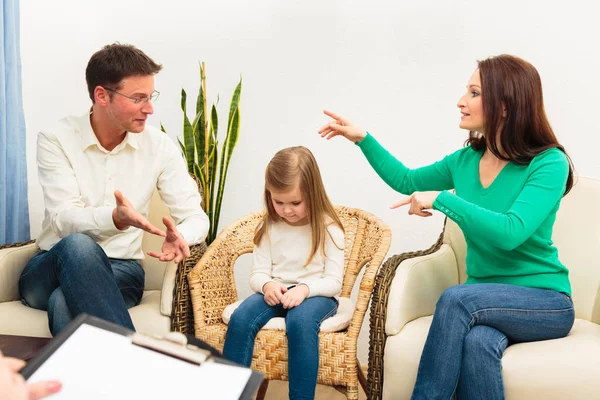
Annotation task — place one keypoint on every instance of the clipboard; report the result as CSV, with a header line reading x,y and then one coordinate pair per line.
x,y
98,359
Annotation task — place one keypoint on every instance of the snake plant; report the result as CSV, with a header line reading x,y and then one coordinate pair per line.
x,y
200,148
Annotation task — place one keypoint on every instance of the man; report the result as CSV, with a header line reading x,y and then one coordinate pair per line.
x,y
98,172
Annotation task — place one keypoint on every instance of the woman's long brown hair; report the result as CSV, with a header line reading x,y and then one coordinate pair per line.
x,y
297,166
513,86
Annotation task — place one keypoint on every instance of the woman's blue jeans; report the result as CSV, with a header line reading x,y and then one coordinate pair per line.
x,y
302,325
75,276
472,326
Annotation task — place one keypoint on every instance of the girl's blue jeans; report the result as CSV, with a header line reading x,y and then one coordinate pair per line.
x,y
302,329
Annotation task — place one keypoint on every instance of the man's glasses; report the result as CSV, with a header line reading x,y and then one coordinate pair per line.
x,y
137,100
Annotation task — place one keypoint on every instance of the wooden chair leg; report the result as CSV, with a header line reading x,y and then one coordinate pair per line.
x,y
352,392
262,390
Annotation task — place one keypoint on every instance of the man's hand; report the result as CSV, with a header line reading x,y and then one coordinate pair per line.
x,y
174,247
124,216
419,202
295,296
273,293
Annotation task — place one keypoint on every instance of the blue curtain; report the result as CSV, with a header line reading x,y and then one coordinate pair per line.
x,y
14,212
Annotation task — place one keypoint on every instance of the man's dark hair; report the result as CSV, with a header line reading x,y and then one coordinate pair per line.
x,y
109,66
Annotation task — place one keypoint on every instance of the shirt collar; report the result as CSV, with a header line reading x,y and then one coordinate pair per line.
x,y
88,137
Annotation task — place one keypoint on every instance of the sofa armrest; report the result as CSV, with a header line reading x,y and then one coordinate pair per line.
x,y
417,285
166,294
13,260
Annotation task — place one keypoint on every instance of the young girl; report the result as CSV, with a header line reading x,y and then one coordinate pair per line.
x,y
297,268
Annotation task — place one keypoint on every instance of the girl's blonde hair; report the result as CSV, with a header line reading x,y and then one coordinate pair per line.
x,y
291,167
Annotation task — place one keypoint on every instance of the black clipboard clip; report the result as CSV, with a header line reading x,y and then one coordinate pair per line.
x,y
175,345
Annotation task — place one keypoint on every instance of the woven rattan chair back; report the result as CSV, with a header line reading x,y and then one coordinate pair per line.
x,y
212,288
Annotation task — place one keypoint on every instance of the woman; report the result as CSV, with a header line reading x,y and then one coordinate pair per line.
x,y
508,181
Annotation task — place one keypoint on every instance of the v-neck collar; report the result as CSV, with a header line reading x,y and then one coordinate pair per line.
x,y
477,174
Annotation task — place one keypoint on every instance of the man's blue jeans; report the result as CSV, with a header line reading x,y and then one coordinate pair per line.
x,y
472,326
75,276
302,325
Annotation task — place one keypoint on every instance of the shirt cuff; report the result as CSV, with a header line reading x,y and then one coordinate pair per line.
x,y
366,142
192,234
263,285
451,205
308,286
104,219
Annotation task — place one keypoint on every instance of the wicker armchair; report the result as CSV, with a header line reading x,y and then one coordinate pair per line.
x,y
182,317
212,288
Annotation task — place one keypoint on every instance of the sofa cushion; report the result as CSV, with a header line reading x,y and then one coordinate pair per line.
x,y
339,322
565,368
18,319
147,317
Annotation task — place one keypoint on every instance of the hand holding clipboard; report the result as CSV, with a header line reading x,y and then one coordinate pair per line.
x,y
95,359
14,387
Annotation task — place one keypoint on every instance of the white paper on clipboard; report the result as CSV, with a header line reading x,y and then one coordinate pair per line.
x,y
94,363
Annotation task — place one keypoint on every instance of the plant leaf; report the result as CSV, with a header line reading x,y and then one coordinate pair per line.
x,y
235,100
188,136
228,146
199,174
182,147
200,100
214,151
212,168
200,129
214,121
198,134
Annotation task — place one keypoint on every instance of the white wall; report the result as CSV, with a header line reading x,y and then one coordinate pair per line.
x,y
396,68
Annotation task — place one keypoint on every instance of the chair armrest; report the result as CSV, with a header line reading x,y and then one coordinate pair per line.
x,y
182,317
398,282
13,259
211,280
417,285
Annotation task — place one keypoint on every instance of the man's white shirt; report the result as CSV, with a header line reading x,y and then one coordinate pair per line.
x,y
79,177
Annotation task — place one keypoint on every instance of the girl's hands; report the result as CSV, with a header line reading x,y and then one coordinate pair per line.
x,y
295,296
341,127
419,203
273,293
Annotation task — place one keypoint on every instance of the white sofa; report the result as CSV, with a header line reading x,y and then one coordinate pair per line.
x,y
152,315
408,287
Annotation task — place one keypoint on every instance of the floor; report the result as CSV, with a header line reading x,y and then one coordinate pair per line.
x,y
279,390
